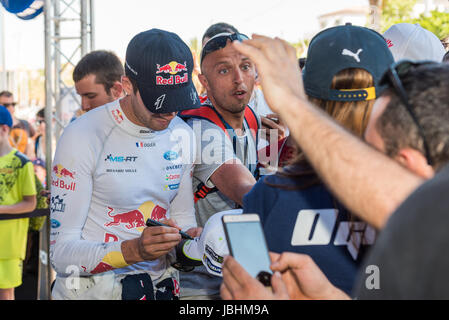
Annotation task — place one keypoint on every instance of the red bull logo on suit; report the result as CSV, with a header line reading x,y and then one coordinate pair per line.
x,y
135,219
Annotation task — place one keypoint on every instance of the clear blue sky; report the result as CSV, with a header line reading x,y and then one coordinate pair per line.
x,y
117,21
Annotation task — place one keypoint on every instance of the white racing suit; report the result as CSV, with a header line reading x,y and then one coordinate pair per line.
x,y
108,177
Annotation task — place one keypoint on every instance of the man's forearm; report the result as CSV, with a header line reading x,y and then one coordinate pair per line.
x,y
130,251
24,206
233,180
371,189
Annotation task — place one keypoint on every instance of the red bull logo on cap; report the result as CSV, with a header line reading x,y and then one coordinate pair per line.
x,y
172,68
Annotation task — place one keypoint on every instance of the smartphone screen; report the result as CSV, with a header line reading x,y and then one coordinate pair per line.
x,y
246,242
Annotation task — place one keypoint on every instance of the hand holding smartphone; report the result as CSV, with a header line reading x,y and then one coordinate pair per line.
x,y
247,244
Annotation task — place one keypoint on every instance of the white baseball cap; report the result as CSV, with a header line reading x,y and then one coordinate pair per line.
x,y
413,42
211,246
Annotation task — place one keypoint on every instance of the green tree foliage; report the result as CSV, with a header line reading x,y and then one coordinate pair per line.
x,y
301,47
396,11
437,22
400,11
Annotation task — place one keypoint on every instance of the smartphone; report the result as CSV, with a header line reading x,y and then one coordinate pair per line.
x,y
247,244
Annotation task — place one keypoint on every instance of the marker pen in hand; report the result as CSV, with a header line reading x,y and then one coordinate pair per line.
x,y
154,223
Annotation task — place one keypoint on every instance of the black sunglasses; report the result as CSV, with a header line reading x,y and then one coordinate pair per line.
x,y
220,42
12,104
392,78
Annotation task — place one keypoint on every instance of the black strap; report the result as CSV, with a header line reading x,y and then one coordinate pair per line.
x,y
202,191
35,213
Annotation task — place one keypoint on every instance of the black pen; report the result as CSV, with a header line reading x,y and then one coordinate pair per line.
x,y
154,223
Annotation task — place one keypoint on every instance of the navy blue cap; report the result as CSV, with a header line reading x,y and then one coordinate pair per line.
x,y
5,117
162,64
344,47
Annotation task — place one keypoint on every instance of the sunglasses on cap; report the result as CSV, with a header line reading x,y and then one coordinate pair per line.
x,y
392,79
10,104
219,41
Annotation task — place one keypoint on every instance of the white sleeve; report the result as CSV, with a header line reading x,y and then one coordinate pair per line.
x,y
182,208
71,194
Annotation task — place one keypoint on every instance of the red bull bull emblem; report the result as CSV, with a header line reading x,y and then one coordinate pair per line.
x,y
118,116
60,172
136,218
101,267
172,68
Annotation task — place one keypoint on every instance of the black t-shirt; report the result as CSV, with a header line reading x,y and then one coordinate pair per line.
x,y
410,258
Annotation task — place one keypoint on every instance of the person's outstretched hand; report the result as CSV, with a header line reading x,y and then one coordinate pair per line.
x,y
303,278
239,285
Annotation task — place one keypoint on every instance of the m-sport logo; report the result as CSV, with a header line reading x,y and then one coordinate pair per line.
x,y
111,158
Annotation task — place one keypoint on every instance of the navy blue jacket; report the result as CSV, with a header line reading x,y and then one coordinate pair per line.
x,y
306,221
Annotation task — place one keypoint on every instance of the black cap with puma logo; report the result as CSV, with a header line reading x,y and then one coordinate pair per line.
x,y
344,47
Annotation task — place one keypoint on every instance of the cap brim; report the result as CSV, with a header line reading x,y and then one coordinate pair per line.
x,y
192,249
167,99
211,246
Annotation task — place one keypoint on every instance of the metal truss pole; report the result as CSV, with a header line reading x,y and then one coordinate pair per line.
x,y
63,48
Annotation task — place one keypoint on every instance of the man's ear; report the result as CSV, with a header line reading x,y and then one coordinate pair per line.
x,y
126,85
414,161
5,129
117,90
203,81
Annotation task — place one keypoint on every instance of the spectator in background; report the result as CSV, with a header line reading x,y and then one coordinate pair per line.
x,y
343,80
227,167
21,131
446,57
40,171
445,42
17,195
213,30
39,138
217,28
257,101
413,42
97,79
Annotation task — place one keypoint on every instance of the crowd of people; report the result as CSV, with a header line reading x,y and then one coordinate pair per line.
x,y
342,156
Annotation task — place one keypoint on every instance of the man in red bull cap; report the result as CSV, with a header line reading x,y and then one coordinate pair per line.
x,y
119,165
